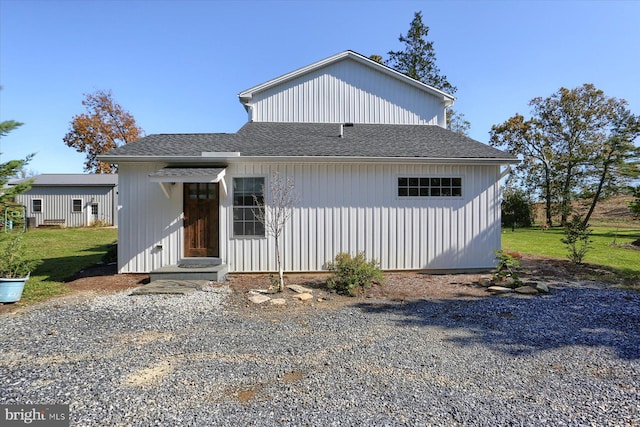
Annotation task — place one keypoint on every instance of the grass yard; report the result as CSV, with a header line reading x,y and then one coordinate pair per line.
x,y
63,252
608,246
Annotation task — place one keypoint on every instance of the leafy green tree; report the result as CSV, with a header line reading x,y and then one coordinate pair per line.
x,y
615,160
11,169
522,138
516,208
575,137
418,61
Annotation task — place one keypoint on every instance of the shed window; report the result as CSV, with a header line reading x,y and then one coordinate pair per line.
x,y
77,205
36,205
245,207
429,187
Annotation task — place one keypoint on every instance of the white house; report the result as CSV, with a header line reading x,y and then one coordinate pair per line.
x,y
71,200
372,162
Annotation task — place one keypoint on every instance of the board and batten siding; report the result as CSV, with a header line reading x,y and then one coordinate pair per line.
x,y
343,207
57,203
347,92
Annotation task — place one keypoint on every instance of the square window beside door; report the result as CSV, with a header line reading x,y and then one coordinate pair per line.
x,y
76,205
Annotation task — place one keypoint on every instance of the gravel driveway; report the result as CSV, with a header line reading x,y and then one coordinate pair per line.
x,y
568,358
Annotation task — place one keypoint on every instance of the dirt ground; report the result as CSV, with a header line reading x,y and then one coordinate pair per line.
x,y
399,286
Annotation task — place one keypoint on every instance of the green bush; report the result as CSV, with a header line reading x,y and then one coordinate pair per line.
x,y
508,269
15,261
516,209
352,275
577,239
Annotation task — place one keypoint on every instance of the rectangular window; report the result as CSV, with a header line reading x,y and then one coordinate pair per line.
x,y
429,187
77,205
36,205
245,206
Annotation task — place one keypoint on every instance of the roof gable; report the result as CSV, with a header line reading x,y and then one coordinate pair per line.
x,y
247,94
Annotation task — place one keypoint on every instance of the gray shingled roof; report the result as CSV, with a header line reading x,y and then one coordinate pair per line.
x,y
264,139
72,180
185,172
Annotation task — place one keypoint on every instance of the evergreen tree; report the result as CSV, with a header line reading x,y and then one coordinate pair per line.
x,y
11,169
418,61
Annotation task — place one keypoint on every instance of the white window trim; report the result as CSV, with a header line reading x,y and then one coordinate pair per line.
x,y
41,206
426,175
72,206
232,196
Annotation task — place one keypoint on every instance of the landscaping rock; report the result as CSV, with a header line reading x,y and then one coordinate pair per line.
x,y
300,289
499,290
262,291
259,299
304,297
543,288
278,301
485,281
526,290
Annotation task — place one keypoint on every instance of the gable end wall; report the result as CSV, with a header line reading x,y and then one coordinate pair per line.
x,y
347,92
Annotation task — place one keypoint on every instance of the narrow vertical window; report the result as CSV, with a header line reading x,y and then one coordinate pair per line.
x,y
245,206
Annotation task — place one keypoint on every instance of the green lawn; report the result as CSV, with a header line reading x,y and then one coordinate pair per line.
x,y
607,250
63,252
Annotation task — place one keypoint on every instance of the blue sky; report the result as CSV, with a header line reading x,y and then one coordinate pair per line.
x,y
178,66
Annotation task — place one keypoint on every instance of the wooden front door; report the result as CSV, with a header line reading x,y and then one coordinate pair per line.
x,y
201,209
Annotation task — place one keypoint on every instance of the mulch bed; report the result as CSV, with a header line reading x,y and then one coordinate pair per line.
x,y
399,286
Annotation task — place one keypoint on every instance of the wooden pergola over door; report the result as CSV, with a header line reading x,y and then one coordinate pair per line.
x,y
201,220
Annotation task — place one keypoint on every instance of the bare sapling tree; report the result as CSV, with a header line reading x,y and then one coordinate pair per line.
x,y
274,210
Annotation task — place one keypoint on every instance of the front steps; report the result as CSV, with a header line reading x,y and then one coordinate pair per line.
x,y
211,269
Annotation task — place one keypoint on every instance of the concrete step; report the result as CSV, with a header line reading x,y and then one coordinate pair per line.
x,y
191,271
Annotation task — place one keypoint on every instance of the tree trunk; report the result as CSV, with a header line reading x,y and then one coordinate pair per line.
x,y
565,204
547,178
596,197
279,266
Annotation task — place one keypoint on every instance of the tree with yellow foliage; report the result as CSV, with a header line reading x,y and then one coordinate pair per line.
x,y
104,126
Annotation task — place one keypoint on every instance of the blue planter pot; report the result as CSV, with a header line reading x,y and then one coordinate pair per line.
x,y
11,289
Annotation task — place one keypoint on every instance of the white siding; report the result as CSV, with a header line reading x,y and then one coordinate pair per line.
x,y
343,208
347,92
57,202
150,225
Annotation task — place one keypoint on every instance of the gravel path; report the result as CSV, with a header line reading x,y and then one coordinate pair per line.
x,y
568,358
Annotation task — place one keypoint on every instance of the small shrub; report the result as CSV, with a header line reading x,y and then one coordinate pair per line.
x,y
352,275
577,239
274,282
634,205
508,268
15,261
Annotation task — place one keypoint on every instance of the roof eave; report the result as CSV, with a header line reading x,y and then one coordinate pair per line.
x,y
307,159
